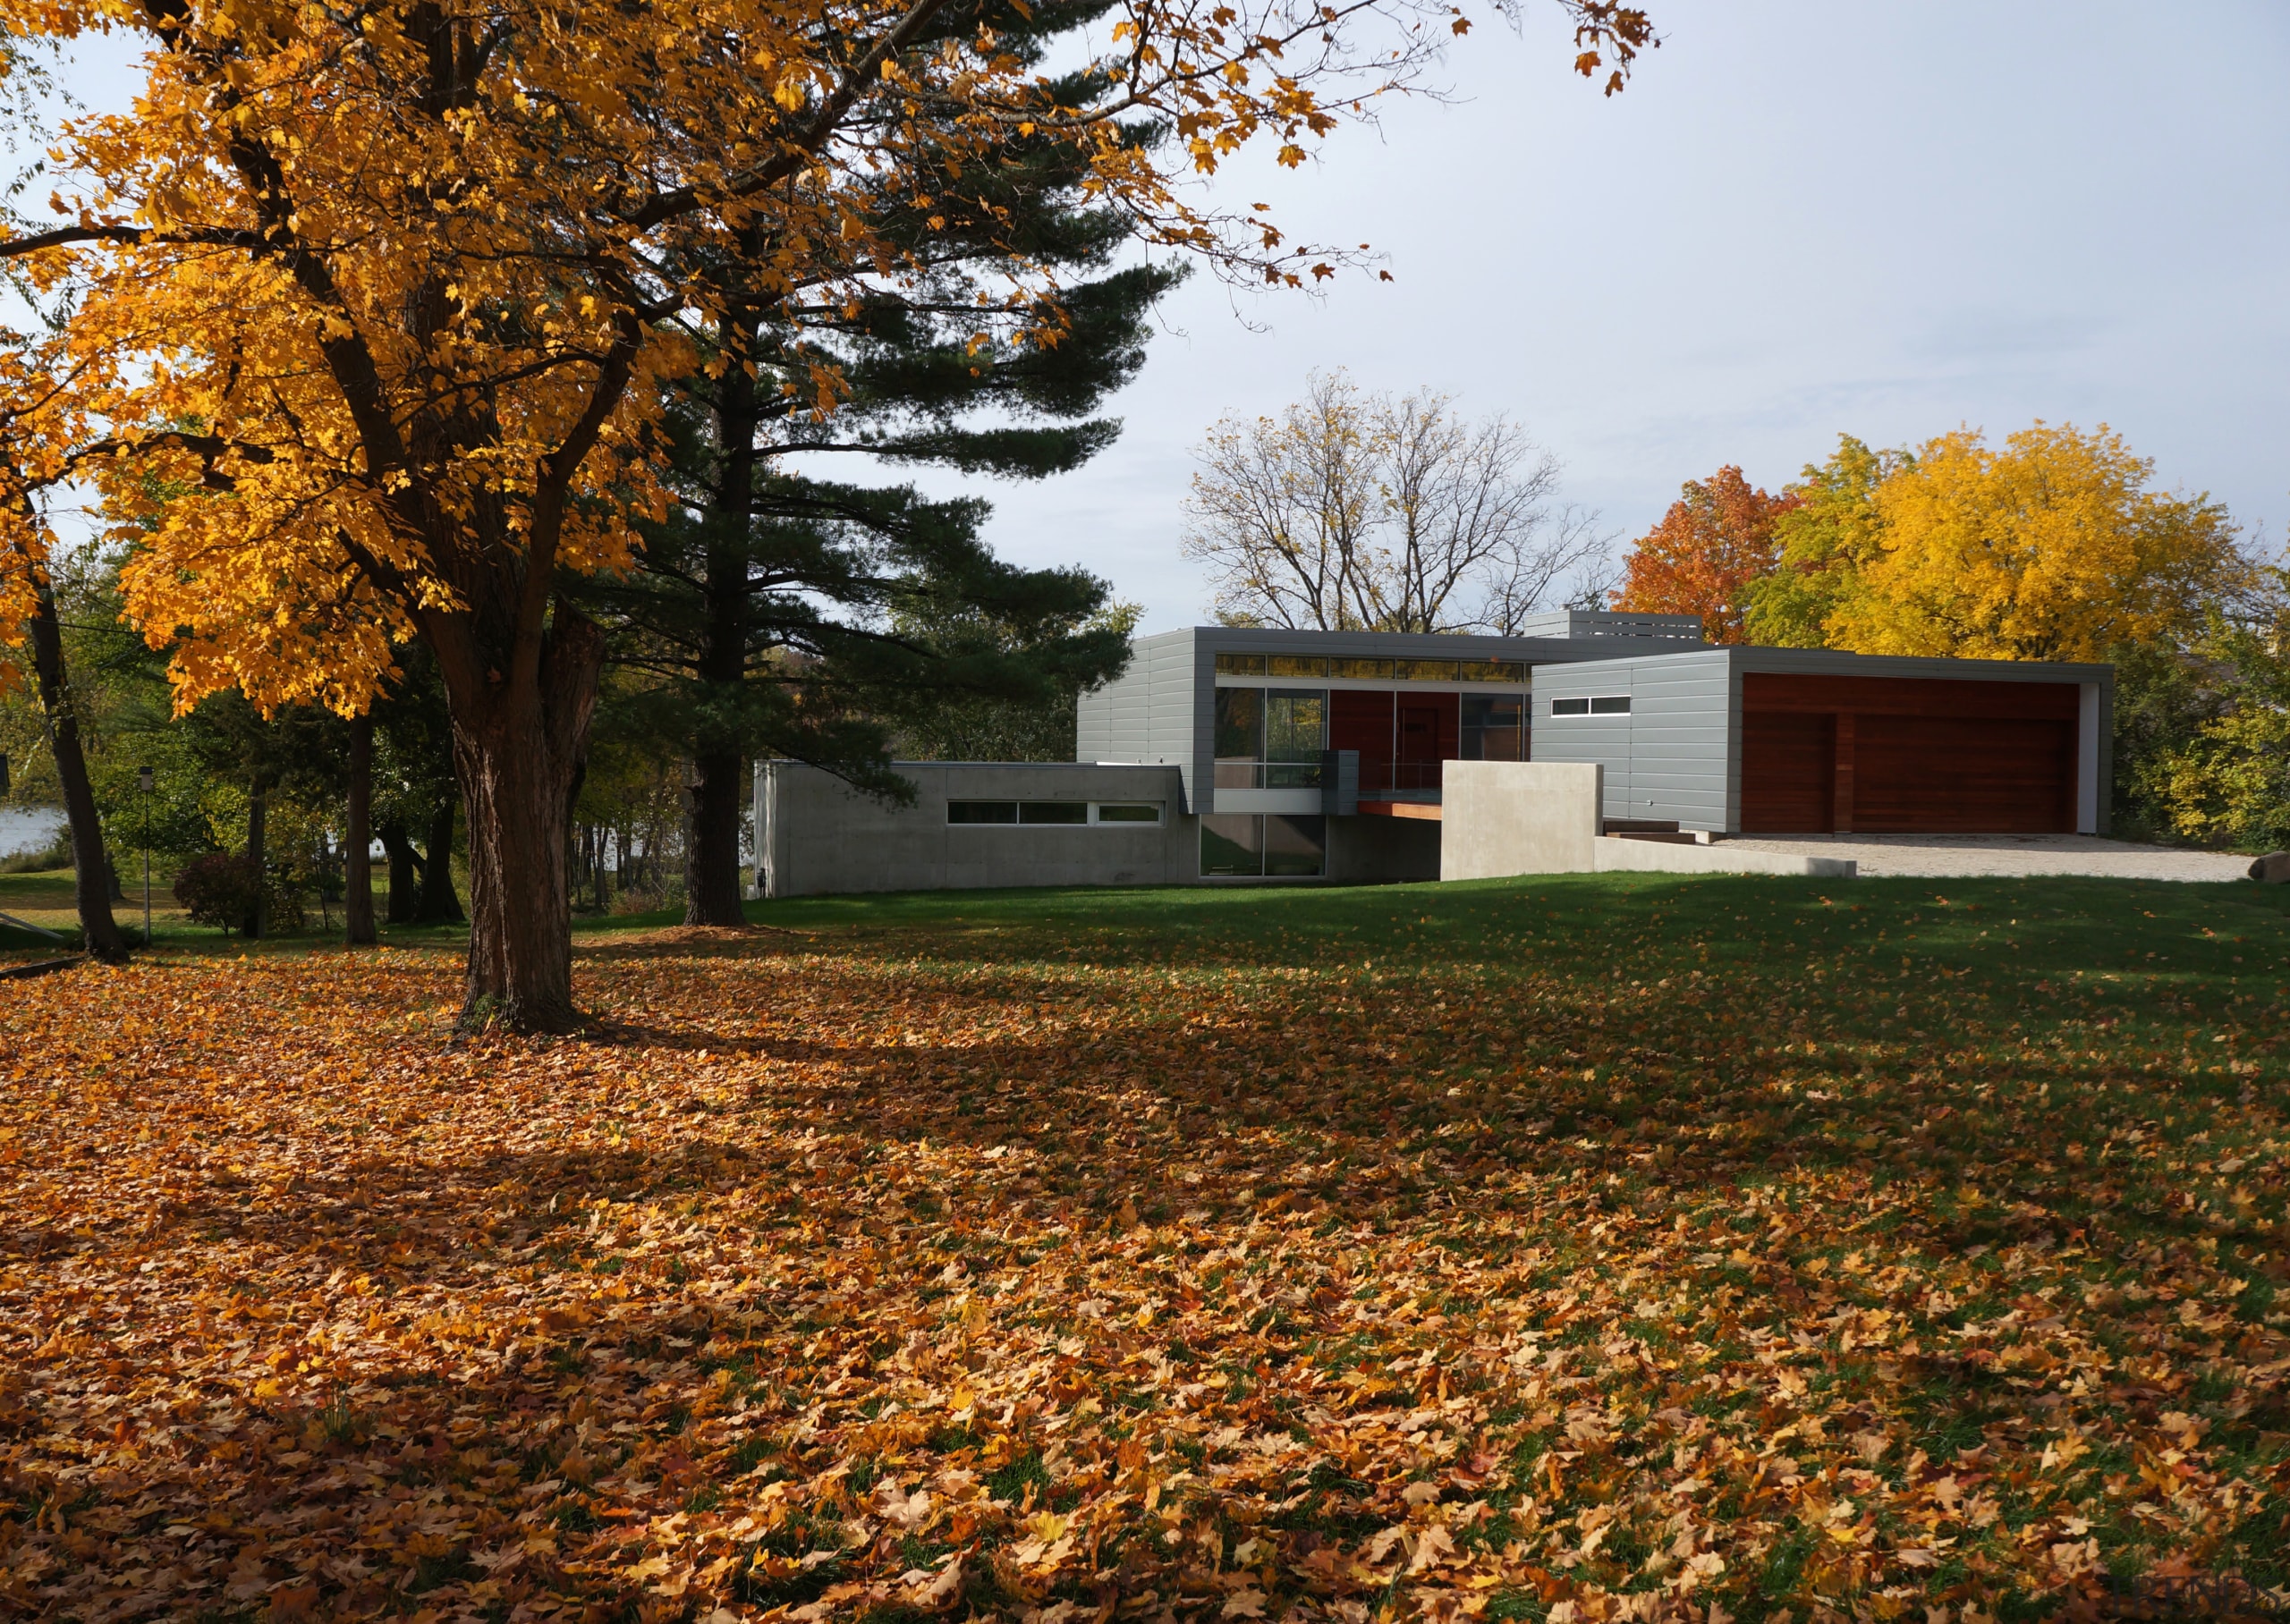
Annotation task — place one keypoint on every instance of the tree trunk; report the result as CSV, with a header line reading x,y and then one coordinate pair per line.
x,y
712,845
357,841
259,856
711,863
89,867
440,903
518,749
405,873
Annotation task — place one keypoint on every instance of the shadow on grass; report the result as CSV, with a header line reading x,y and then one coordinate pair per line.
x,y
1526,1106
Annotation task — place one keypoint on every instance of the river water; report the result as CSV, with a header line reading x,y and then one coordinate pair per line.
x,y
28,828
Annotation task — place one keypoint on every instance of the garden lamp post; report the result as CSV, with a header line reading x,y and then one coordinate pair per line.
x,y
144,782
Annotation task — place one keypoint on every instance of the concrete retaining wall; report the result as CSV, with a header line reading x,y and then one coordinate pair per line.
x,y
1615,854
1507,818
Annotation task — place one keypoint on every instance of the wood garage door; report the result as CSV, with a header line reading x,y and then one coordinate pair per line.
x,y
1963,775
1787,767
1906,756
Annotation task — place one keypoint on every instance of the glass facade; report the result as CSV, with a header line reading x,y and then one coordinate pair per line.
x,y
1494,727
1240,725
1232,844
1247,846
1296,724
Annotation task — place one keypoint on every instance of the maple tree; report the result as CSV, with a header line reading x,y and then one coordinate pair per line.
x,y
2053,547
402,287
49,420
1585,1249
1706,554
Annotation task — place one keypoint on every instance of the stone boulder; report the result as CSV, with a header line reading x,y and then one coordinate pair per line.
x,y
2273,868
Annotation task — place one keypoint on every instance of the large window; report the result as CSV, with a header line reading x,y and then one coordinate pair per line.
x,y
1232,844
1240,725
1493,727
1245,846
1270,738
1296,724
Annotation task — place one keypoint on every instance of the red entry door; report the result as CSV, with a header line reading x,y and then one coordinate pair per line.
x,y
1430,732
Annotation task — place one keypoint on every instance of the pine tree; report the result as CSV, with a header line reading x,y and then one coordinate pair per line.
x,y
781,613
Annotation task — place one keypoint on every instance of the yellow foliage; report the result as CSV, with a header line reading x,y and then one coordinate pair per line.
x,y
2051,548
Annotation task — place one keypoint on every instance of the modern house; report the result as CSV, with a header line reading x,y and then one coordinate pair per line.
x,y
1240,754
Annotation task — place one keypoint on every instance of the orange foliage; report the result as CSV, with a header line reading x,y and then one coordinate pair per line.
x,y
896,1270
1701,559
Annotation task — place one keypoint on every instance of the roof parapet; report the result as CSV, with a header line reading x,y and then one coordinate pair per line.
x,y
1604,623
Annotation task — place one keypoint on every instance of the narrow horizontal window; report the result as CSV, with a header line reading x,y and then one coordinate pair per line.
x,y
1240,665
1611,705
1052,811
1362,670
1570,707
1129,812
1295,665
981,811
1493,671
1427,671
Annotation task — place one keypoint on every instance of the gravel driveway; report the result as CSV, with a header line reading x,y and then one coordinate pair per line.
x,y
1953,855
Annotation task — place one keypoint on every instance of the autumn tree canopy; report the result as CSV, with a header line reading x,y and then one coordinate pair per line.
x,y
1705,554
2053,546
399,289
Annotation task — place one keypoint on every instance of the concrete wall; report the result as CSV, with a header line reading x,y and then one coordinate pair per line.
x,y
817,835
1507,818
1615,853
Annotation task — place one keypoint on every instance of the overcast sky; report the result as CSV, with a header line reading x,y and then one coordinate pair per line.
x,y
1803,217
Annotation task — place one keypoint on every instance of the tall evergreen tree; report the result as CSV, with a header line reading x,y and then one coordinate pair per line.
x,y
775,606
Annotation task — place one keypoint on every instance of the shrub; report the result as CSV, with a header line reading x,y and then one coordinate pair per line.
x,y
220,889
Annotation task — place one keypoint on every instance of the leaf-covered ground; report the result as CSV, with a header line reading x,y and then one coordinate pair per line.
x,y
1588,1250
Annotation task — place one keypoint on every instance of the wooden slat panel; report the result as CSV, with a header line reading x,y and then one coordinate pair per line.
x,y
1788,762
1961,776
1764,691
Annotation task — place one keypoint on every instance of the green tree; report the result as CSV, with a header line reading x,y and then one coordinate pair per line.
x,y
1822,544
779,612
2228,781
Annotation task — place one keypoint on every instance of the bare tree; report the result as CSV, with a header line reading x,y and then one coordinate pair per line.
x,y
1355,510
